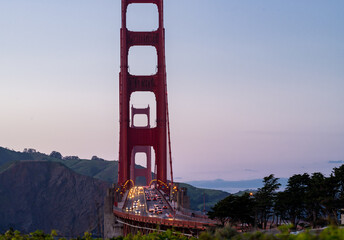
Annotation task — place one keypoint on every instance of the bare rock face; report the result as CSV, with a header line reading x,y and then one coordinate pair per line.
x,y
47,195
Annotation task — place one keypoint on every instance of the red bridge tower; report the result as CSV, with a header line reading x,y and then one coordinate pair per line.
x,y
134,139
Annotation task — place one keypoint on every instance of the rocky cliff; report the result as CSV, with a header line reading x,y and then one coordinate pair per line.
x,y
46,195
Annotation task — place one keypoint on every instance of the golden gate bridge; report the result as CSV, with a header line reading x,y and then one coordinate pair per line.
x,y
130,208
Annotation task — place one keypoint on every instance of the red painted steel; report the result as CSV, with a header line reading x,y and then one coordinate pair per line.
x,y
131,137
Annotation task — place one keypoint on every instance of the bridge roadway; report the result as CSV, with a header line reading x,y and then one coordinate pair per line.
x,y
146,201
144,209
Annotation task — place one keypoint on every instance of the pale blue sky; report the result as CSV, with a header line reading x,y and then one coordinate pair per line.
x,y
255,87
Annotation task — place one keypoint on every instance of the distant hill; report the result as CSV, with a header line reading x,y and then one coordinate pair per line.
x,y
47,195
103,170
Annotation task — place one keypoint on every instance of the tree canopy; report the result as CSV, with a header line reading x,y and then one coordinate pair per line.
x,y
56,154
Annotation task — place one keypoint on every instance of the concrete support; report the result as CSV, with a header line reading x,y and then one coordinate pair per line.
x,y
112,228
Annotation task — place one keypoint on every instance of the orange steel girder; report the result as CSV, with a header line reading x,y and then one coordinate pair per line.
x,y
131,137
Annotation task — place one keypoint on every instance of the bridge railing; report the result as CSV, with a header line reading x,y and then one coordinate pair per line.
x,y
162,221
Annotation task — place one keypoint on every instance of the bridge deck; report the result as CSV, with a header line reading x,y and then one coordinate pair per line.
x,y
144,205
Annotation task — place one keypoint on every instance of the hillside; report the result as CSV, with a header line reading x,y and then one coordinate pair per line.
x,y
47,195
107,171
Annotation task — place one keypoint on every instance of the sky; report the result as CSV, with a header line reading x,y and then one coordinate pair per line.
x,y
255,87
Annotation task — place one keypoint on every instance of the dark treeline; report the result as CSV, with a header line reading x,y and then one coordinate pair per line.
x,y
307,201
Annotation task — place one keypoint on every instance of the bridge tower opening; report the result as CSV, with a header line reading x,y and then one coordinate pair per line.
x,y
135,139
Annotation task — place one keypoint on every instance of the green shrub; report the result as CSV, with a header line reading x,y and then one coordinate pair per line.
x,y
225,233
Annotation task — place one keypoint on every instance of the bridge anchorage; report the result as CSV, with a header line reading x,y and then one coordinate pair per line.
x,y
159,204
